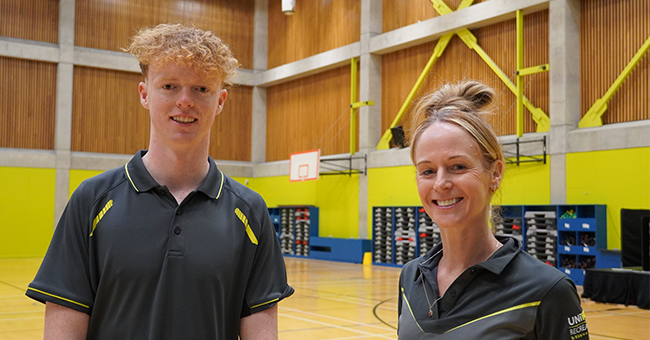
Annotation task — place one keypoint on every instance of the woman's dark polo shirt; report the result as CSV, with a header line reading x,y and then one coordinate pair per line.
x,y
509,296
144,267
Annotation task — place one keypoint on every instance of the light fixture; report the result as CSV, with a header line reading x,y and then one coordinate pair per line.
x,y
288,7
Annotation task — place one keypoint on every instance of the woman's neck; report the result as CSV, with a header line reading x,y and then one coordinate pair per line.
x,y
461,250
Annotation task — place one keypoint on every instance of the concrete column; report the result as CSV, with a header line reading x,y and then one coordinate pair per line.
x,y
260,58
63,128
369,89
564,35
258,126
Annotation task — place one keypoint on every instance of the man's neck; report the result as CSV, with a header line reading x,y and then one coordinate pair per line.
x,y
182,171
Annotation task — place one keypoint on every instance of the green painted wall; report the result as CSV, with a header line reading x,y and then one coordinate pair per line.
x,y
26,211
617,178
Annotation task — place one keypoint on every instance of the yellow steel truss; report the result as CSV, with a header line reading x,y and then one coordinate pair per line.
x,y
539,116
593,117
542,120
354,105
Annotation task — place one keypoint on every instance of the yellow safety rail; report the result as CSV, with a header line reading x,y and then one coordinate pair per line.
x,y
593,117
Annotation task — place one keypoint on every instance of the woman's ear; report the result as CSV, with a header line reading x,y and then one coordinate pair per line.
x,y
497,174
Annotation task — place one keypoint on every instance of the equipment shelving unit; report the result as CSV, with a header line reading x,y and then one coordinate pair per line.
x,y
510,222
382,235
401,234
580,238
569,242
540,237
575,242
295,226
428,232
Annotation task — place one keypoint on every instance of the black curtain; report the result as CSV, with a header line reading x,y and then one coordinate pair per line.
x,y
632,236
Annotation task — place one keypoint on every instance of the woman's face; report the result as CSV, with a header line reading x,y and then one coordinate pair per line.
x,y
453,183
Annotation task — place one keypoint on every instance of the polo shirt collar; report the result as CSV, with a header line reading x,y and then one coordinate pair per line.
x,y
141,180
496,263
213,183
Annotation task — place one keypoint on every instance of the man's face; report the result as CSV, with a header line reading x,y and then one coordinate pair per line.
x,y
182,104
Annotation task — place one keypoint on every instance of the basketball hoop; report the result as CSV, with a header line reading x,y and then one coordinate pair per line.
x,y
303,166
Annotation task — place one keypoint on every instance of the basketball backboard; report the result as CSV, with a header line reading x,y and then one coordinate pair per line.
x,y
303,166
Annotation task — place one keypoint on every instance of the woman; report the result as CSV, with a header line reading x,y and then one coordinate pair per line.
x,y
474,285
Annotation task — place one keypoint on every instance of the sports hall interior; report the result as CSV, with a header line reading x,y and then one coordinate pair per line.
x,y
334,76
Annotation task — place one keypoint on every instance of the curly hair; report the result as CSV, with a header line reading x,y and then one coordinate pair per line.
x,y
185,45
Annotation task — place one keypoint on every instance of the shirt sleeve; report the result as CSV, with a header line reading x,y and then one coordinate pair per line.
x,y
63,277
560,315
267,283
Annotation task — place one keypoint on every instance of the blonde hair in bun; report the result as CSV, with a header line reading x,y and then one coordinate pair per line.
x,y
461,104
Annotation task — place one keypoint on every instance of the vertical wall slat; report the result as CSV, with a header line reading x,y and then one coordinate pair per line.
x,y
108,25
611,33
316,27
27,104
309,113
30,19
108,117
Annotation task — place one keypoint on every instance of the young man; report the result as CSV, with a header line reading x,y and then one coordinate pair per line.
x,y
166,247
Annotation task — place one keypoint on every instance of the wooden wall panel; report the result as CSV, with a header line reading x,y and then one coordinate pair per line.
x,y
230,138
401,69
106,113
309,113
109,25
30,19
27,104
108,117
316,27
400,13
611,33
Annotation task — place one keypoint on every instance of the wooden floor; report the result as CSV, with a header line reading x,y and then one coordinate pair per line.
x,y
333,300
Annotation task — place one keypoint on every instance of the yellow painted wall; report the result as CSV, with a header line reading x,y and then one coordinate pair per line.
x,y
617,178
392,186
26,211
528,183
78,176
337,198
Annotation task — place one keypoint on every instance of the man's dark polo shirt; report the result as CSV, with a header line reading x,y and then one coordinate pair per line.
x,y
509,296
144,267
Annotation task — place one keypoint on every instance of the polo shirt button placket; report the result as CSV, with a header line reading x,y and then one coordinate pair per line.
x,y
177,230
